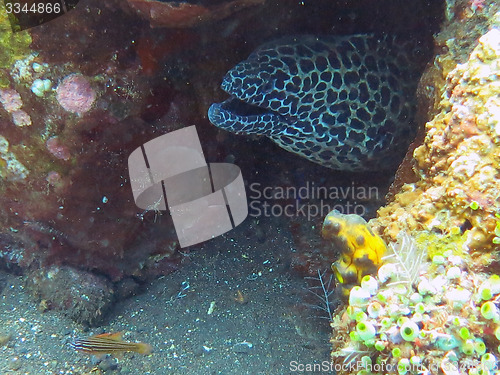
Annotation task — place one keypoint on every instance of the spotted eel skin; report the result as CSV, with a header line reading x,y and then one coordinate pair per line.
x,y
345,102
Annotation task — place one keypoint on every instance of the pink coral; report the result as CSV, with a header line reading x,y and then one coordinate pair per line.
x,y
56,149
75,94
11,100
54,178
21,118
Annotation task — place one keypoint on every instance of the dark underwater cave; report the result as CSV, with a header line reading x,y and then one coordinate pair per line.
x,y
260,159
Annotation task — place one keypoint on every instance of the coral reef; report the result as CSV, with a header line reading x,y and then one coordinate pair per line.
x,y
457,164
420,317
80,92
12,103
465,22
432,307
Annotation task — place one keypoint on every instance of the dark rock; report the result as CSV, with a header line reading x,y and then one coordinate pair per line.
x,y
126,288
84,297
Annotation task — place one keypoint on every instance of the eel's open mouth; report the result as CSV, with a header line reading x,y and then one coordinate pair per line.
x,y
240,108
238,116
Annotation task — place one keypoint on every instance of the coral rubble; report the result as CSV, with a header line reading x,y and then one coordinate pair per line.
x,y
70,112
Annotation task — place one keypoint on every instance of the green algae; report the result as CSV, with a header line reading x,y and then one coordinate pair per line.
x,y
496,239
13,46
441,244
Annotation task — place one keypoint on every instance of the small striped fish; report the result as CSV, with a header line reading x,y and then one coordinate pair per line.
x,y
109,343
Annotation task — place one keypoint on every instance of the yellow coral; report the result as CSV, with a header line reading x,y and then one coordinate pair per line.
x,y
458,162
361,250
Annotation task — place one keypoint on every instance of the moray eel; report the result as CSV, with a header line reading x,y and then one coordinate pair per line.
x,y
361,250
345,102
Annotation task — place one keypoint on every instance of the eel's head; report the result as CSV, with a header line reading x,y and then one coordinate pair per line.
x,y
258,99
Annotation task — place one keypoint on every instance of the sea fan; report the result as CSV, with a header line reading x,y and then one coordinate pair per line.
x,y
408,259
325,293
